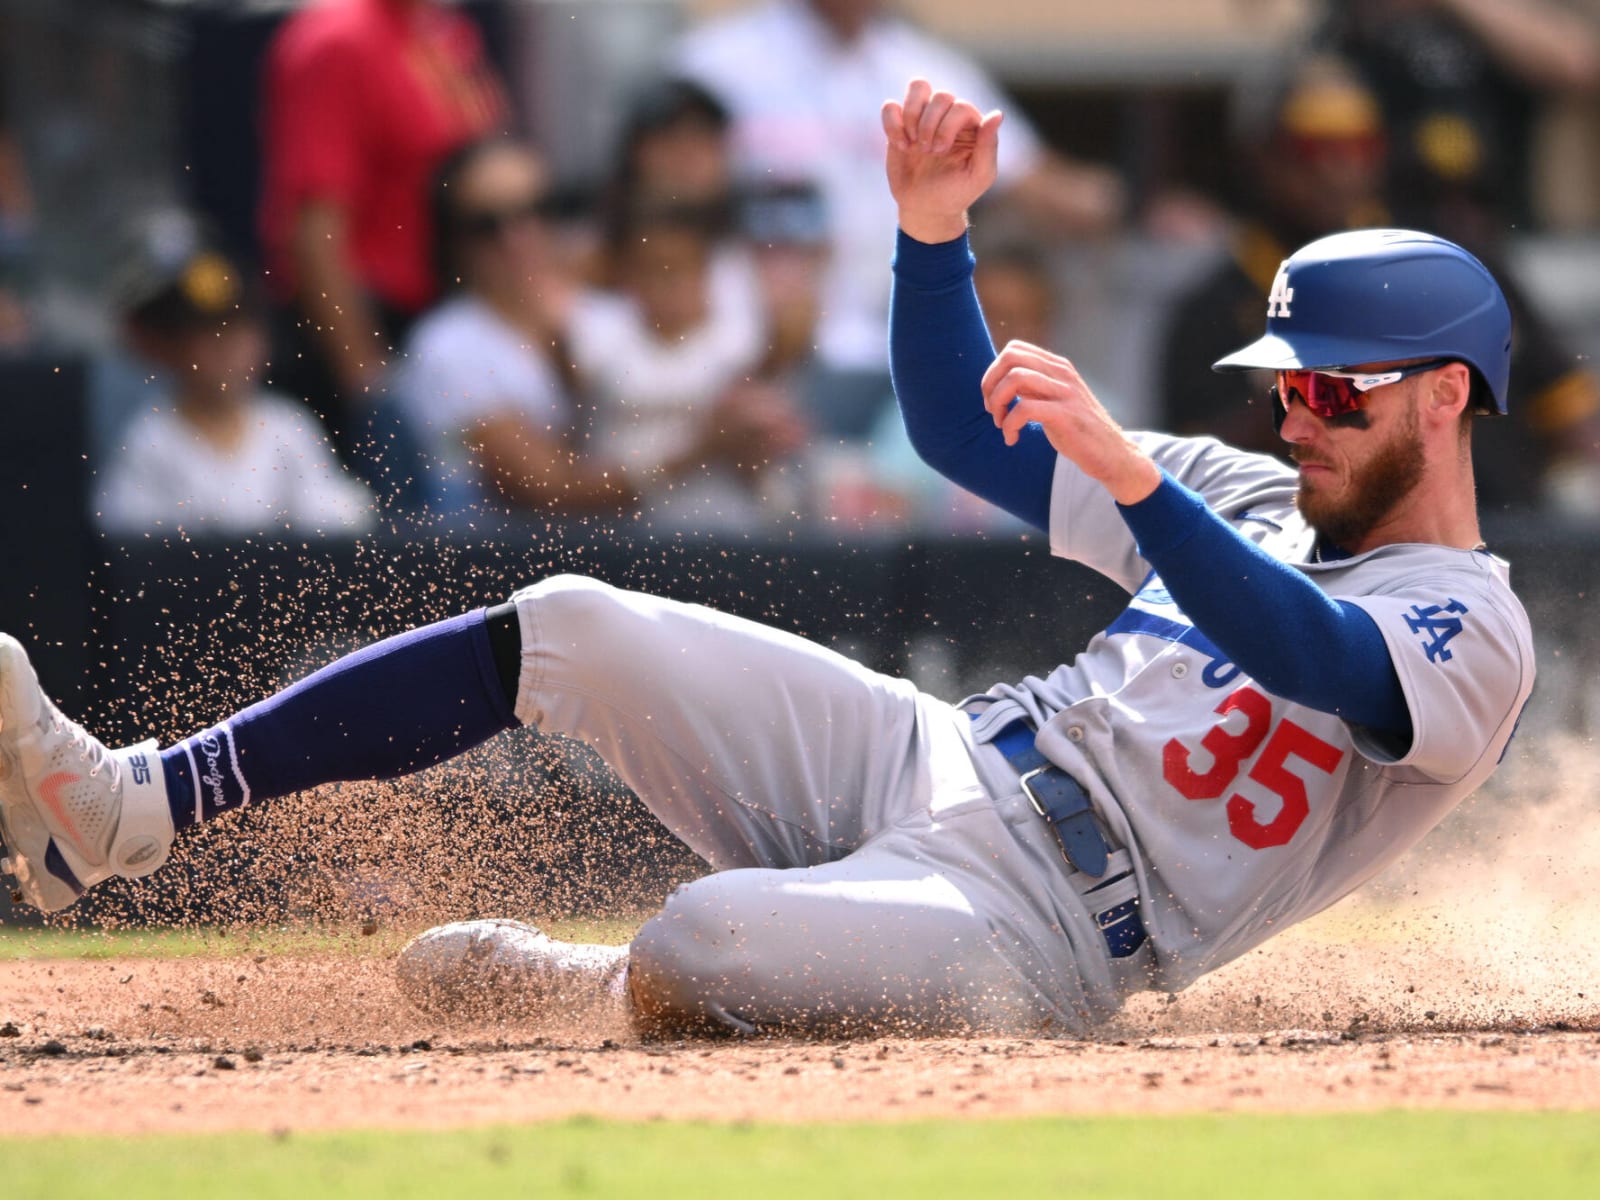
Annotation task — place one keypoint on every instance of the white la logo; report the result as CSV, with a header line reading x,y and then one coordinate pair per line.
x,y
1278,299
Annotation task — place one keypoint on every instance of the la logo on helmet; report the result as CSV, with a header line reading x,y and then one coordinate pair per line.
x,y
1278,299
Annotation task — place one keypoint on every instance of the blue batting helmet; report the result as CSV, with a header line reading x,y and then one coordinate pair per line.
x,y
1380,295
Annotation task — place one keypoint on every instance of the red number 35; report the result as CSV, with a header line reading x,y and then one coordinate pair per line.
x,y
1228,751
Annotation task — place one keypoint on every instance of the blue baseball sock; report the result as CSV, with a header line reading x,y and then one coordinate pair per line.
x,y
389,709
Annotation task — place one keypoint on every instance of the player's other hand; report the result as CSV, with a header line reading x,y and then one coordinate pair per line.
x,y
940,158
1027,383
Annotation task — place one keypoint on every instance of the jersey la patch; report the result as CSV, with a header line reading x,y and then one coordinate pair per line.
x,y
1436,625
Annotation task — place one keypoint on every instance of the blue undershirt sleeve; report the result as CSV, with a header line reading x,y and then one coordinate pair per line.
x,y
939,348
1277,625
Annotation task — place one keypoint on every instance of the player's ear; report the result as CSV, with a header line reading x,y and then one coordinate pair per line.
x,y
1448,391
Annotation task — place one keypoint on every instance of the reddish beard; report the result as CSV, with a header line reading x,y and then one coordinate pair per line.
x,y
1374,490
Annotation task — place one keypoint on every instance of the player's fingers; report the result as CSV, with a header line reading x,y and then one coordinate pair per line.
x,y
893,115
999,387
1011,353
1040,357
995,370
933,113
1025,382
1024,411
1019,383
962,119
1046,362
999,393
1015,420
987,149
1015,355
917,93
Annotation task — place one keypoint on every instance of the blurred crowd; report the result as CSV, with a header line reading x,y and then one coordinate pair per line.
x,y
431,324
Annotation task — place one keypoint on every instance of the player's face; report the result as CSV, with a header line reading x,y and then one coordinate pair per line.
x,y
1356,467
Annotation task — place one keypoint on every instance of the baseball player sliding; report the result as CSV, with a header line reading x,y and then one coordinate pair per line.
x,y
1316,664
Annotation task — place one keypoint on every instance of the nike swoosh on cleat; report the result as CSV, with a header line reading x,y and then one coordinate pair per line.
x,y
50,792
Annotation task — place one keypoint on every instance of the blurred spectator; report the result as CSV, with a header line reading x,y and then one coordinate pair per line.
x,y
674,151
16,231
363,99
481,380
804,81
1461,84
217,454
671,358
1308,142
673,147
1017,293
1311,152
485,381
782,229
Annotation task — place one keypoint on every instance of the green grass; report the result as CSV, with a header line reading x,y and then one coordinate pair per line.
x,y
18,943
1417,1155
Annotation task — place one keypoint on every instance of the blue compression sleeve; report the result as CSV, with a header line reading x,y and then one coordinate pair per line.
x,y
939,348
1278,626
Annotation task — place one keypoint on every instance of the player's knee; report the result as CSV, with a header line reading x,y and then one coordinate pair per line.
x,y
559,592
566,611
682,967
570,607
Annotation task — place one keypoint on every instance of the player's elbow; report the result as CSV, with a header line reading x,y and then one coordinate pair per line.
x,y
950,456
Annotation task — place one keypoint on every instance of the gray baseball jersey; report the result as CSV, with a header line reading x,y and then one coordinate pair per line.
x,y
877,860
1244,813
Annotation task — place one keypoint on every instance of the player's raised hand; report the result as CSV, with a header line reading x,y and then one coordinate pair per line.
x,y
940,158
1027,383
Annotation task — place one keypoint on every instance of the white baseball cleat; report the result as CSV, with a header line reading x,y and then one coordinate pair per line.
x,y
501,969
72,812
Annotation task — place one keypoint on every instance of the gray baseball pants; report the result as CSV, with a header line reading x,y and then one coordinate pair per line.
x,y
873,867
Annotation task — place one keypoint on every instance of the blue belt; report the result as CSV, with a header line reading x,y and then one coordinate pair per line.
x,y
1057,797
1061,800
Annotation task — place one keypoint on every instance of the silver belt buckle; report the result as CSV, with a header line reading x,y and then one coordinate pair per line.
x,y
1055,836
1027,789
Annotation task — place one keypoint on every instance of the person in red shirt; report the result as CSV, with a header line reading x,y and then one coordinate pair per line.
x,y
363,99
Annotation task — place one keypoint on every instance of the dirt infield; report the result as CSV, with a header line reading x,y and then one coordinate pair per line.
x,y
296,1042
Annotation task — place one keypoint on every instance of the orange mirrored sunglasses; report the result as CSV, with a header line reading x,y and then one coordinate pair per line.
x,y
1330,393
